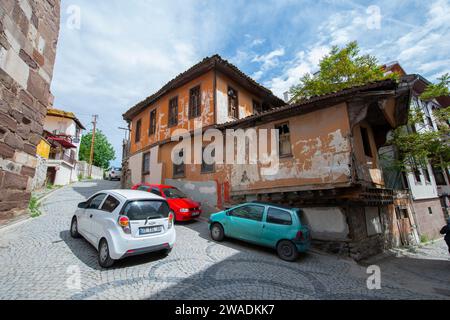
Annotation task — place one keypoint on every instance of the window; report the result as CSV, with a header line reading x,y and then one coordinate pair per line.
x,y
173,112
278,216
285,139
178,169
426,174
250,212
137,136
152,127
146,163
207,168
144,188
156,191
146,209
416,173
194,103
110,204
401,213
174,193
439,176
430,211
257,107
233,103
95,202
366,142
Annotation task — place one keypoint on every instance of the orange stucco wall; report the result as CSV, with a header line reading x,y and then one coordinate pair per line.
x,y
163,132
245,99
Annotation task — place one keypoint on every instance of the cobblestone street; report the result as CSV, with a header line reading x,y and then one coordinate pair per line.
x,y
38,259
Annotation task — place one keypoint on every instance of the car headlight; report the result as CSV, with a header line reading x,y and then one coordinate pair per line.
x,y
184,210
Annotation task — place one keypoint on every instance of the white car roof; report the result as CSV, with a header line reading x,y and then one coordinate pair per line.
x,y
134,194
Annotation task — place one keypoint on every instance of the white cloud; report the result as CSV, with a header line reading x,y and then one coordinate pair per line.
x,y
304,62
267,61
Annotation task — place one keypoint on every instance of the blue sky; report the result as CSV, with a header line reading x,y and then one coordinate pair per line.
x,y
125,50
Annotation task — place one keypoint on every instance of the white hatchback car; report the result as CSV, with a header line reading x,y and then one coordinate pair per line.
x,y
123,223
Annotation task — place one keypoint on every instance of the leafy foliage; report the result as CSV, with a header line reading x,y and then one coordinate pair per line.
x,y
422,145
103,150
440,89
340,69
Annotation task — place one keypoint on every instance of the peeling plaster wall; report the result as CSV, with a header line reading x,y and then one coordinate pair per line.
x,y
326,223
321,154
245,99
135,164
201,191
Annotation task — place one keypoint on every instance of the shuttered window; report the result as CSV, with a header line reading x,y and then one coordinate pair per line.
x,y
194,103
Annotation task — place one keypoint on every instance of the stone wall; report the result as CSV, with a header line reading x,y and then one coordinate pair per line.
x,y
40,175
28,37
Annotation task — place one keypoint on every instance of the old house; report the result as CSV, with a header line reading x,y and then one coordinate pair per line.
x,y
28,37
328,150
62,130
426,187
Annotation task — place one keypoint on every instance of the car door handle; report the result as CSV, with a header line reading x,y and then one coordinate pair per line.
x,y
91,216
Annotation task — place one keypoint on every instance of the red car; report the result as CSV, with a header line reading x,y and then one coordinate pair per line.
x,y
185,209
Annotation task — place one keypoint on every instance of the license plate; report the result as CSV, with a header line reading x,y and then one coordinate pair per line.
x,y
194,214
150,230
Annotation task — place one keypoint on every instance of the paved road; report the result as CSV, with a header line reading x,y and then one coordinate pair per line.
x,y
39,260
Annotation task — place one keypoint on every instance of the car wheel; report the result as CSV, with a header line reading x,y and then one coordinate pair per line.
x,y
104,259
74,228
217,233
287,251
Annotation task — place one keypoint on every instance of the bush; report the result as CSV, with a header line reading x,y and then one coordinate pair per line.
x,y
33,206
424,238
80,176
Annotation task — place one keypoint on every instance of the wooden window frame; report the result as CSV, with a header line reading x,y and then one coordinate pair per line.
x,y
277,126
152,122
137,131
257,107
173,112
365,140
195,111
236,112
145,172
179,175
204,165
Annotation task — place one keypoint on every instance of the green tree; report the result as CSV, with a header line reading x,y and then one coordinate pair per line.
x,y
340,69
419,145
103,150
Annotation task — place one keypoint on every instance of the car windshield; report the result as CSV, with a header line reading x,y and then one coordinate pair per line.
x,y
173,193
117,169
143,209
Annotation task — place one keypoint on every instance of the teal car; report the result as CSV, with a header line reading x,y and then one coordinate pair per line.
x,y
265,224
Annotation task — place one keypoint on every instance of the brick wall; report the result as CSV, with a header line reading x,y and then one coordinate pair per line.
x,y
28,37
428,224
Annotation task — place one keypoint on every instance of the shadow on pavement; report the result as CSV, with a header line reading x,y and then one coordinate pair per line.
x,y
87,254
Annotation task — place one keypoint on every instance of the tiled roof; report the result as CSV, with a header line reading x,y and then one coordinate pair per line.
x,y
65,114
205,65
383,84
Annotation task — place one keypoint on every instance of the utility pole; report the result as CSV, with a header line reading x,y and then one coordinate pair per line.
x,y
94,123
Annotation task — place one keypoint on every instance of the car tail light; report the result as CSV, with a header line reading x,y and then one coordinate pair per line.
x,y
171,217
124,222
300,236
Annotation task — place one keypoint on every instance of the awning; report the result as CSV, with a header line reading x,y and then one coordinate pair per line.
x,y
65,143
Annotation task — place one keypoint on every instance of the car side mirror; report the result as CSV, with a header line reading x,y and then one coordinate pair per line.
x,y
82,205
227,212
